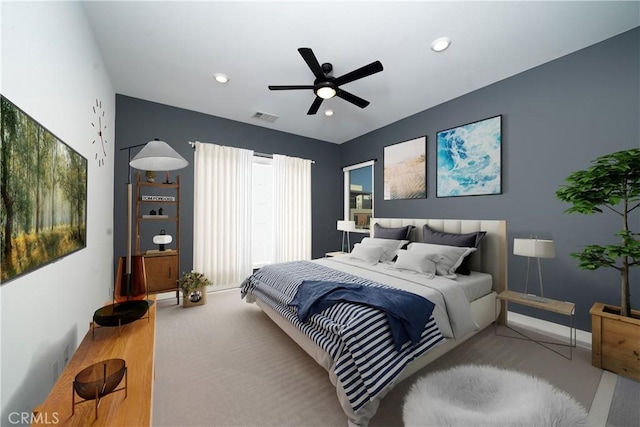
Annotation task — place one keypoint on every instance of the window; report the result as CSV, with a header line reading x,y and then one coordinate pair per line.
x,y
358,194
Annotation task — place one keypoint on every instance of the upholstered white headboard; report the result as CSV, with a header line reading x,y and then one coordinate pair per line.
x,y
491,256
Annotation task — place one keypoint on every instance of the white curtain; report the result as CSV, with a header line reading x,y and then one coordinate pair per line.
x,y
222,214
292,208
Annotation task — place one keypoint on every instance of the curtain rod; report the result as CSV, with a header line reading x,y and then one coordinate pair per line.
x,y
255,153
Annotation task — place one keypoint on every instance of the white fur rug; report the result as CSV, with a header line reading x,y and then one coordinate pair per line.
x,y
478,395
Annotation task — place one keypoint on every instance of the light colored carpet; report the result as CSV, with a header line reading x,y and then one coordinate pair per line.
x,y
227,364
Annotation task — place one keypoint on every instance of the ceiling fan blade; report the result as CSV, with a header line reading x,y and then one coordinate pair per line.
x,y
315,106
367,70
352,98
312,62
289,87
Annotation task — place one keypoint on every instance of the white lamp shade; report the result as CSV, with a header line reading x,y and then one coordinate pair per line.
x,y
535,248
162,239
346,225
158,156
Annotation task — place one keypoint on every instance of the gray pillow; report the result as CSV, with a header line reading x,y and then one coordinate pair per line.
x,y
399,233
464,240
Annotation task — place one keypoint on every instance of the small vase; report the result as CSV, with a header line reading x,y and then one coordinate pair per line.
x,y
195,297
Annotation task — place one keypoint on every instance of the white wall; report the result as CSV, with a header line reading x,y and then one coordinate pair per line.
x,y
53,70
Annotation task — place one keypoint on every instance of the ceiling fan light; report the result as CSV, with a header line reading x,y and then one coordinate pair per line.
x,y
440,44
326,92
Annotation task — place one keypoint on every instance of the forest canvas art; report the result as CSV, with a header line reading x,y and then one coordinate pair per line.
x,y
44,194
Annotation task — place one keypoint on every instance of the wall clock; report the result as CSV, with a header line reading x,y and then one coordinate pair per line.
x,y
99,124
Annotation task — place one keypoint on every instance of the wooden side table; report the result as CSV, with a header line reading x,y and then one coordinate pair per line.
x,y
560,307
162,272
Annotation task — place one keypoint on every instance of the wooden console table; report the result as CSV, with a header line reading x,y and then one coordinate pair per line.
x,y
135,343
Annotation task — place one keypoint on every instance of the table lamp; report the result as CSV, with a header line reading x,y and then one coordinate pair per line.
x,y
534,248
346,227
162,239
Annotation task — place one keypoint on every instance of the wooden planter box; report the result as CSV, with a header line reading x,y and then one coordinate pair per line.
x,y
615,340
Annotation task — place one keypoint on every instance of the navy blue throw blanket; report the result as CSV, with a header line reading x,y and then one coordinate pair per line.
x,y
407,313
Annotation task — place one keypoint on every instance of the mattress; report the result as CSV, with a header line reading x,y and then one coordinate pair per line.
x,y
453,319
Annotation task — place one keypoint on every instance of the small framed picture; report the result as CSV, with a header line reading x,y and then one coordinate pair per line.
x,y
405,170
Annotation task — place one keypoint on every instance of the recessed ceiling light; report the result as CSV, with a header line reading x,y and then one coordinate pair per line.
x,y
328,112
440,44
221,78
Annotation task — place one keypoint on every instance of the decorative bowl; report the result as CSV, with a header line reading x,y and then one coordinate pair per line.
x,y
104,375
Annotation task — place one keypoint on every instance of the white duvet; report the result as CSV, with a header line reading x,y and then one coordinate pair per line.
x,y
452,310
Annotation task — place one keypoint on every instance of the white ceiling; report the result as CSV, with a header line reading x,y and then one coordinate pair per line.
x,y
168,52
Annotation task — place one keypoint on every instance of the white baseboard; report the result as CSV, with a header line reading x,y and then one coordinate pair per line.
x,y
166,295
583,338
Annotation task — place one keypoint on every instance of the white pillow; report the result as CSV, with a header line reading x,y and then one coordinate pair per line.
x,y
366,253
447,258
415,261
390,246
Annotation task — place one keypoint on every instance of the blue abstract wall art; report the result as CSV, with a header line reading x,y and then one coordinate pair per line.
x,y
469,159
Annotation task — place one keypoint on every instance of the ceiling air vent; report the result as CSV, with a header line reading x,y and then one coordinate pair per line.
x,y
265,117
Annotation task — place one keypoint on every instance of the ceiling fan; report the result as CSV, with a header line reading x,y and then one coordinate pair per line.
x,y
326,86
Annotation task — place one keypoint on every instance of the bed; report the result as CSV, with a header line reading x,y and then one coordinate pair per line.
x,y
361,368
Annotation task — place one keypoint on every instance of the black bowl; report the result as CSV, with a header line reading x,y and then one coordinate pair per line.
x,y
121,313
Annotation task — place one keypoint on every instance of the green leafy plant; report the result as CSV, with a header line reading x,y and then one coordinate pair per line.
x,y
611,182
192,281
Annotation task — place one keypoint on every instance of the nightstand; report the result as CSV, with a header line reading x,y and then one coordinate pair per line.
x,y
332,254
561,307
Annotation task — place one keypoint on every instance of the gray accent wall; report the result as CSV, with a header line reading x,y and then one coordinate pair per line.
x,y
138,121
556,118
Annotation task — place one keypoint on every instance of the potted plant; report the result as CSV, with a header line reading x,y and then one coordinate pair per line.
x,y
193,288
611,182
